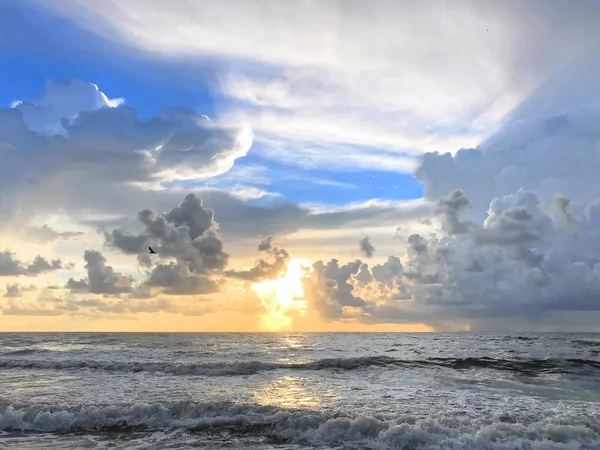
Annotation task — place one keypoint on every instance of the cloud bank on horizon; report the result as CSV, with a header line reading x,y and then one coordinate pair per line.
x,y
491,107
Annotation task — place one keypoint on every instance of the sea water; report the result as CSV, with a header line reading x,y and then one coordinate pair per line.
x,y
300,391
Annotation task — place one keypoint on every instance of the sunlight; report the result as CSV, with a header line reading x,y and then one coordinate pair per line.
x,y
282,297
288,392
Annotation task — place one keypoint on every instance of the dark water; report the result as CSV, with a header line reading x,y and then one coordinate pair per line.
x,y
298,390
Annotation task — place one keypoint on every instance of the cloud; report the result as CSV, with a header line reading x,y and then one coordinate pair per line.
x,y
518,263
11,266
342,76
103,144
41,265
15,309
187,233
238,218
176,279
62,101
16,290
547,156
512,241
366,247
108,160
45,234
93,308
512,197
563,205
101,278
272,268
450,208
329,288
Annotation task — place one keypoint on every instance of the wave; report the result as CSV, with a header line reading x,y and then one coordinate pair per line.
x,y
587,342
526,338
26,351
206,369
521,365
309,427
518,365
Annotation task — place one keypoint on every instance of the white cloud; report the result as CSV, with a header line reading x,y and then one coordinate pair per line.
x,y
62,101
403,77
315,155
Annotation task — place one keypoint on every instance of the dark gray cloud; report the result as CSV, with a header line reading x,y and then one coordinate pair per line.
x,y
187,233
563,205
519,263
16,290
176,279
273,267
450,208
237,218
11,266
41,265
101,278
528,249
366,247
329,288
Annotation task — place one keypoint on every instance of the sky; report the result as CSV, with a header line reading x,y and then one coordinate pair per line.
x,y
303,166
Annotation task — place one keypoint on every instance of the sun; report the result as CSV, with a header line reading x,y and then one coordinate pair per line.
x,y
283,297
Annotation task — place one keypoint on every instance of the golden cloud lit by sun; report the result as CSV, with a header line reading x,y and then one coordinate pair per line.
x,y
283,297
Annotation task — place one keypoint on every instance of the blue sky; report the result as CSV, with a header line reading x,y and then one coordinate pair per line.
x,y
37,47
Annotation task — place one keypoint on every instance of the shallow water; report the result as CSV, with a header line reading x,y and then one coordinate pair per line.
x,y
299,390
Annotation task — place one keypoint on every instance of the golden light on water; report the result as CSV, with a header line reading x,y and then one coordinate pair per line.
x,y
283,297
287,392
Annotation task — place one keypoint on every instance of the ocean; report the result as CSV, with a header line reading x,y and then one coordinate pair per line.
x,y
300,391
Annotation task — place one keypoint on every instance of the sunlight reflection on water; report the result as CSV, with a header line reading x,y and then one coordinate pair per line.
x,y
286,391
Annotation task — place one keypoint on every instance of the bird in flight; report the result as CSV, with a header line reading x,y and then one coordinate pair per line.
x,y
151,251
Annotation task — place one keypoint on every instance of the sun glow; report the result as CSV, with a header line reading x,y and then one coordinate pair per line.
x,y
283,297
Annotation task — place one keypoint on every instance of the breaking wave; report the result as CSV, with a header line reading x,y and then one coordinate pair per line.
x,y
528,366
309,427
26,351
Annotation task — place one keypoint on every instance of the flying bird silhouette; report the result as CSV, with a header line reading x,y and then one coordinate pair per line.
x,y
151,251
